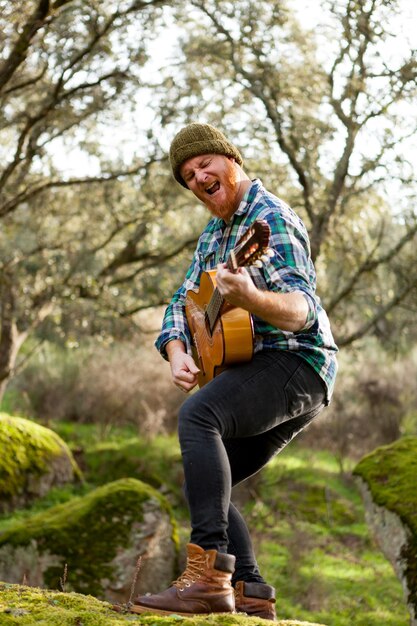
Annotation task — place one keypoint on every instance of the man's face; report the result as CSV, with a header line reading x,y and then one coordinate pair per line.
x,y
215,180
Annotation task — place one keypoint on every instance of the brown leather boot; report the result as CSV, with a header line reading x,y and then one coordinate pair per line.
x,y
203,588
255,599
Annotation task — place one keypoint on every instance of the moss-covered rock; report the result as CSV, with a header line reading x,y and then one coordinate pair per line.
x,y
33,460
93,543
387,479
27,606
157,464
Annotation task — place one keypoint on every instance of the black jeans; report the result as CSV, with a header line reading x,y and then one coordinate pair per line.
x,y
229,430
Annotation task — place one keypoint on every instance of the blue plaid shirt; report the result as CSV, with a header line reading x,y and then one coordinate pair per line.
x,y
290,269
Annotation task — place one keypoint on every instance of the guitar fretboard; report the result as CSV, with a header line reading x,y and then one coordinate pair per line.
x,y
213,308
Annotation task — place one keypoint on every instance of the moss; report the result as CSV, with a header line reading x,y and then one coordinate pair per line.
x,y
311,496
55,496
409,556
158,464
390,473
86,532
27,606
27,449
312,503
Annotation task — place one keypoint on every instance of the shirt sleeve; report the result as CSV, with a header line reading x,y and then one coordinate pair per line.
x,y
174,325
291,268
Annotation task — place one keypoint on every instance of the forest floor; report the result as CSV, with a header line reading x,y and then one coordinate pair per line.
x,y
307,522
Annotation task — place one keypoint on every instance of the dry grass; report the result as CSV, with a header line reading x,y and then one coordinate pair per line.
x,y
375,402
121,384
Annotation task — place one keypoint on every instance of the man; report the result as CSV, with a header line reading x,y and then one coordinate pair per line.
x,y
231,427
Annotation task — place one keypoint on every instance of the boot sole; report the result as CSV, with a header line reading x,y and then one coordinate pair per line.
x,y
138,608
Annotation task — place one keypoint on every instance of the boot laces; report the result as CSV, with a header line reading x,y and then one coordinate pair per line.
x,y
193,571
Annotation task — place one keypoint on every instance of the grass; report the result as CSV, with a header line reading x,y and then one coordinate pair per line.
x,y
307,523
314,545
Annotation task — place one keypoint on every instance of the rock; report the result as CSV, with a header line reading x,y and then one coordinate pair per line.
x,y
92,544
387,479
33,460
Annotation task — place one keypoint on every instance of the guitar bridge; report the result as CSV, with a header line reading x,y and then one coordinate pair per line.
x,y
195,343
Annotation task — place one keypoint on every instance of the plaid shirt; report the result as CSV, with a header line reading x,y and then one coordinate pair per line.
x,y
290,269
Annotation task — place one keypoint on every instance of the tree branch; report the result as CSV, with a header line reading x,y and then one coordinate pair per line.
x,y
369,266
19,51
26,83
30,193
153,259
379,315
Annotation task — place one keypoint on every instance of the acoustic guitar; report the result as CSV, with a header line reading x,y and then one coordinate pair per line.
x,y
223,334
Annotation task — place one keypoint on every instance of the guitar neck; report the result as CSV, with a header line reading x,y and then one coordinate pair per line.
x,y
216,301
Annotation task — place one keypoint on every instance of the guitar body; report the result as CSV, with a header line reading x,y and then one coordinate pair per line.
x,y
231,340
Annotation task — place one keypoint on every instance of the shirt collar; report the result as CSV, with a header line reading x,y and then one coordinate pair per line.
x,y
248,198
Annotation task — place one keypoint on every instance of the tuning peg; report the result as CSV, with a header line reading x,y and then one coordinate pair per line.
x,y
257,263
264,258
270,252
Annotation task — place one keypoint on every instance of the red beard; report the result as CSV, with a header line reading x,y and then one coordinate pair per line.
x,y
230,186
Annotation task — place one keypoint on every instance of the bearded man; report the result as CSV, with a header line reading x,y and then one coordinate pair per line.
x,y
232,426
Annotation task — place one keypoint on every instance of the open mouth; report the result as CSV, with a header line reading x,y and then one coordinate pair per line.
x,y
213,188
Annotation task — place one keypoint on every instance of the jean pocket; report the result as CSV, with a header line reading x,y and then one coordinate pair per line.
x,y
304,391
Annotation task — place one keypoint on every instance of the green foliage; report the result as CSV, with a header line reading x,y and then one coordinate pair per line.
x,y
87,436
318,116
319,113
81,251
57,495
306,519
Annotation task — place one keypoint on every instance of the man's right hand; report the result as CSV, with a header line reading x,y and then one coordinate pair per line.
x,y
183,368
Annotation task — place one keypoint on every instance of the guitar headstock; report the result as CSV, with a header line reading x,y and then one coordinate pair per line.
x,y
252,248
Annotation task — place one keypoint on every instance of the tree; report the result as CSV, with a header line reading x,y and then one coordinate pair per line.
x,y
334,109
68,71
323,115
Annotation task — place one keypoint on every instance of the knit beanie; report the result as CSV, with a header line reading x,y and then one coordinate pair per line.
x,y
196,139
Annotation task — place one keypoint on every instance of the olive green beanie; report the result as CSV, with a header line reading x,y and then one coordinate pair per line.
x,y
196,139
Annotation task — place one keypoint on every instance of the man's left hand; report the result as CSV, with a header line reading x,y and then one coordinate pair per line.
x,y
237,288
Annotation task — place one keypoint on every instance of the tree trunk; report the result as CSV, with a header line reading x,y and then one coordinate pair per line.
x,y
3,386
10,338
